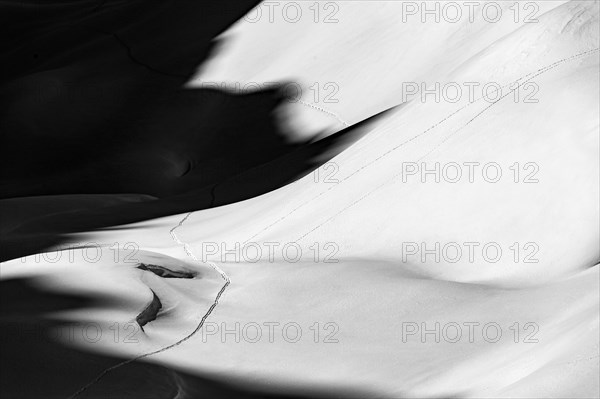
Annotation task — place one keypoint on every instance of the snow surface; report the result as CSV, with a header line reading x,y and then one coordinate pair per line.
x,y
371,291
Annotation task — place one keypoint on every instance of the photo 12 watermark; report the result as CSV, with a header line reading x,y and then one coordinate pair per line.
x,y
292,12
293,92
86,332
469,251
454,92
469,332
289,332
470,172
268,252
453,12
89,252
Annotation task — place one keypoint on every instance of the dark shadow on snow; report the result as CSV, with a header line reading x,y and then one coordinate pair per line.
x,y
164,272
94,116
96,131
35,364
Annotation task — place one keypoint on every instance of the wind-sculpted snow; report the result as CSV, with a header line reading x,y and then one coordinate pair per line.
x,y
370,276
150,312
164,272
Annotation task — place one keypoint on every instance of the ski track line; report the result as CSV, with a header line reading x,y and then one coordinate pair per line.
x,y
375,160
534,75
325,111
188,251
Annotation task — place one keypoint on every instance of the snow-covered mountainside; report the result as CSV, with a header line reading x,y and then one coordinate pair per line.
x,y
452,251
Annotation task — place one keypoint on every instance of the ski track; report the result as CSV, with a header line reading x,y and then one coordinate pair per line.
x,y
188,251
325,111
529,76
224,275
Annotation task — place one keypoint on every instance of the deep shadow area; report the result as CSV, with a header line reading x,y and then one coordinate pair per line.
x,y
97,130
94,117
150,312
35,364
31,234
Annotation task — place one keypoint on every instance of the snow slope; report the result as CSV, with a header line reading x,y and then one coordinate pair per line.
x,y
371,212
558,133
